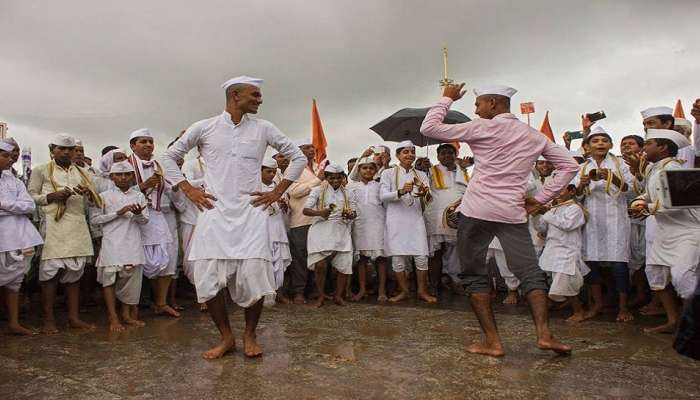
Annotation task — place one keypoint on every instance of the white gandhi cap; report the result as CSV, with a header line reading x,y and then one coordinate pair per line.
x,y
121,167
677,138
269,163
500,90
63,140
405,144
656,111
6,146
243,79
333,169
143,132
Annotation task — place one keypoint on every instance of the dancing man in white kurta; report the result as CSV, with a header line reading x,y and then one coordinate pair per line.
x,y
230,246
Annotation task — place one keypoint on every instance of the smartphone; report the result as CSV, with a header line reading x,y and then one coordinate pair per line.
x,y
596,116
576,135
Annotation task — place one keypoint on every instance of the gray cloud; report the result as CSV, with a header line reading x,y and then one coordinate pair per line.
x,y
100,70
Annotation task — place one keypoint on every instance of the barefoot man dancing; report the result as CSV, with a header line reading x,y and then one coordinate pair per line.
x,y
494,204
230,246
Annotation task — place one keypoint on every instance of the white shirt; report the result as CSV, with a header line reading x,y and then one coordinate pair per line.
x,y
455,184
276,219
606,235
121,234
676,229
156,231
334,233
233,154
404,231
368,227
16,205
562,249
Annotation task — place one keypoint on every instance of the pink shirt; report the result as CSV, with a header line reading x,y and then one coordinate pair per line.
x,y
505,149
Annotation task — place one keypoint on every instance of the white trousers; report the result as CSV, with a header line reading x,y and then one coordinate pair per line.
x,y
126,280
511,281
13,266
340,260
683,279
73,266
401,263
247,280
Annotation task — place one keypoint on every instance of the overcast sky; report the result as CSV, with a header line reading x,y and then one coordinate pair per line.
x,y
99,70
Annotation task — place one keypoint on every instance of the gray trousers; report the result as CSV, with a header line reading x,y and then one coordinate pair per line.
x,y
473,239
298,272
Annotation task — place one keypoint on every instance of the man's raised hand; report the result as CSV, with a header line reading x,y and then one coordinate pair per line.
x,y
455,92
695,111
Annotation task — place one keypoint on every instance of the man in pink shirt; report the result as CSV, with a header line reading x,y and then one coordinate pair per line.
x,y
495,205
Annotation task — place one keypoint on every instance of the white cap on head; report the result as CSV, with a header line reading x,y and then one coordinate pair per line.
x,y
598,130
269,163
302,142
143,132
656,111
405,144
121,167
78,143
677,138
334,169
682,122
63,140
243,79
6,146
500,90
541,158
12,141
365,160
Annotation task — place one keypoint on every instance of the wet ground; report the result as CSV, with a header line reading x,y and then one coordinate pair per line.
x,y
362,351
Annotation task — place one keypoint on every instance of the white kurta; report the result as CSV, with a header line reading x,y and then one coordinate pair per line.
x,y
279,243
233,229
455,183
677,239
17,231
562,250
334,233
534,186
156,231
368,227
404,233
121,235
607,233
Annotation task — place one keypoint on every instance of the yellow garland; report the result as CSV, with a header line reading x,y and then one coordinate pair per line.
x,y
322,200
85,182
423,200
609,180
439,180
572,201
657,203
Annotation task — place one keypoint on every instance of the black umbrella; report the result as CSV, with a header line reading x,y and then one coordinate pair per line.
x,y
405,125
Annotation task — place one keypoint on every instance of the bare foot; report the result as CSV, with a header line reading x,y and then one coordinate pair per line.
x,y
399,297
339,300
299,299
651,309
577,317
382,298
512,298
80,324
49,328
251,348
282,299
669,327
165,310
592,313
203,307
134,322
177,307
17,329
115,326
624,316
553,345
220,349
359,296
483,348
427,298
319,301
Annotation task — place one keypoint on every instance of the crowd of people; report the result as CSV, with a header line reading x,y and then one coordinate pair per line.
x,y
287,229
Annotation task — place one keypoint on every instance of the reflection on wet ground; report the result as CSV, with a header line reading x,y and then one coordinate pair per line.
x,y
361,351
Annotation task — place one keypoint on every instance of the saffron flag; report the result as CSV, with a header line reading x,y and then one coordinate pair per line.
x,y
318,138
547,128
678,112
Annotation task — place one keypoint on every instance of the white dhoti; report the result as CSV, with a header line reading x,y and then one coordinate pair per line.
x,y
565,285
157,260
371,254
73,266
281,258
340,260
683,279
247,280
511,281
186,231
174,246
126,280
13,266
401,263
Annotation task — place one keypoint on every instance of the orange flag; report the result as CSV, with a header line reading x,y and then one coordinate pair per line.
x,y
678,112
547,128
318,138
